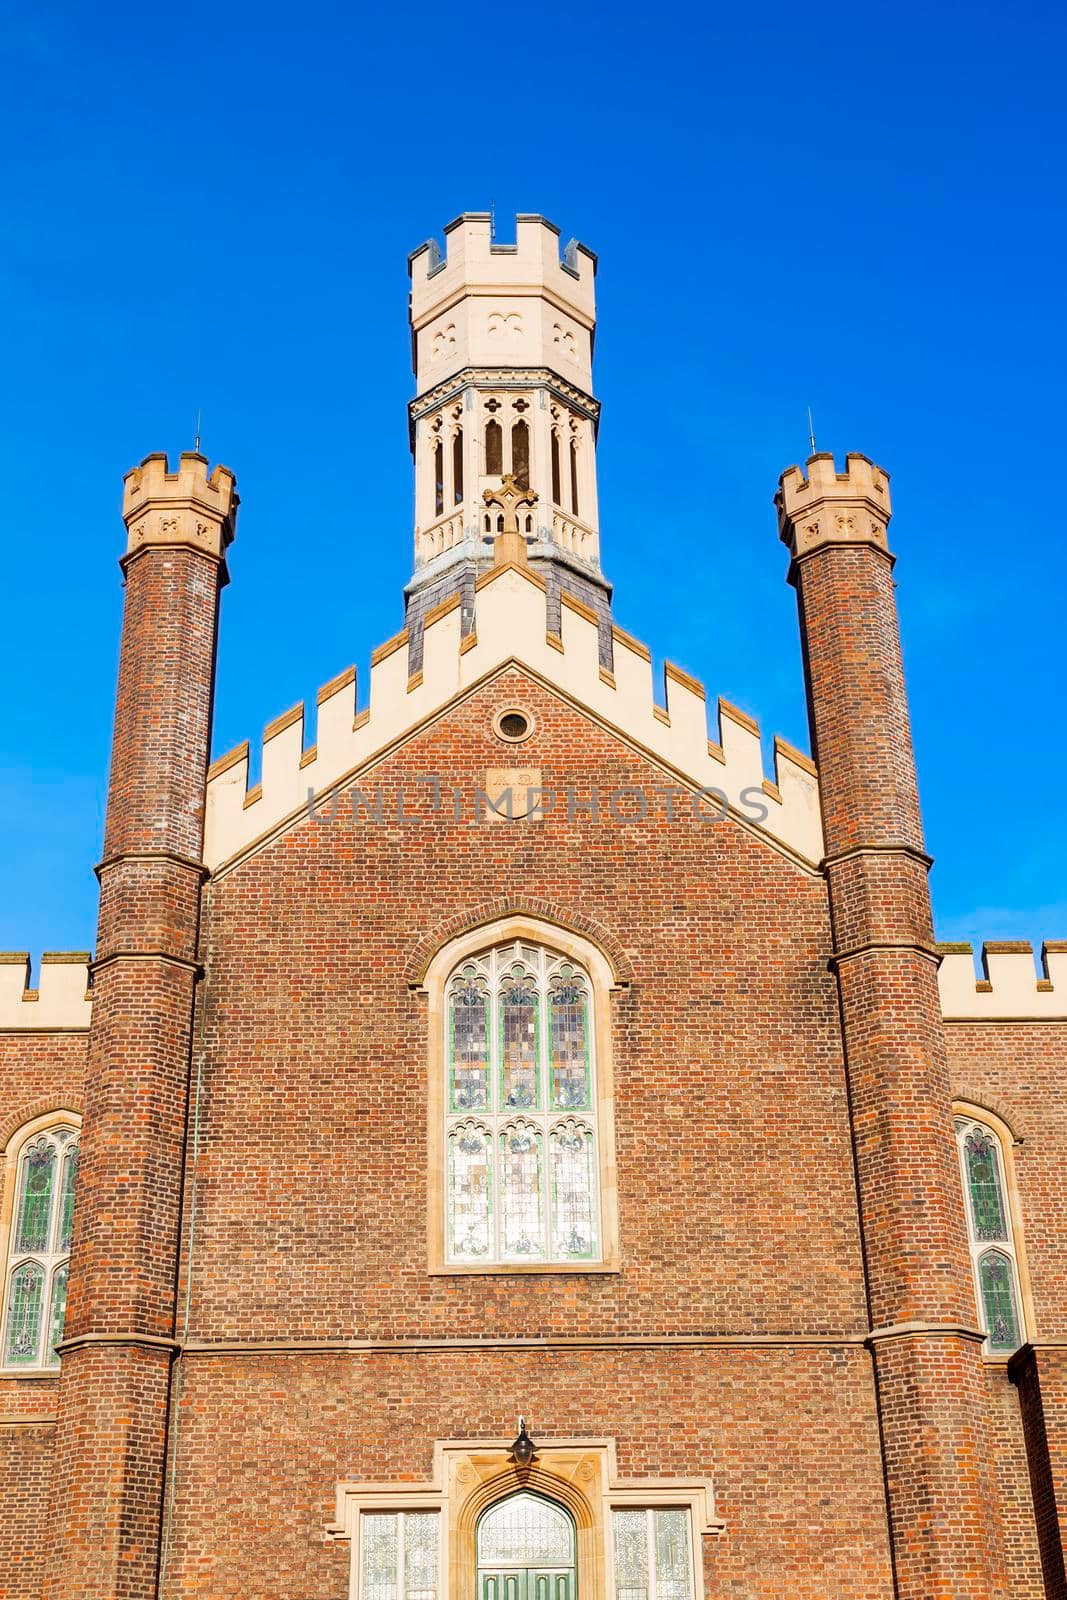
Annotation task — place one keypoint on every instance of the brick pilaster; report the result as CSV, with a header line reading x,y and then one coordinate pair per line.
x,y
120,1328
941,1489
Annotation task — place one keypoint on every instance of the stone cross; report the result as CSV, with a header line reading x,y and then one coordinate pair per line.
x,y
509,497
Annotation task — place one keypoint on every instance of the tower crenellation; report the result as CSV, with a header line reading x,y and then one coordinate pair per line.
x,y
191,506
850,507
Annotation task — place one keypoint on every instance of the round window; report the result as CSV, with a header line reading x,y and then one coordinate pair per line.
x,y
513,725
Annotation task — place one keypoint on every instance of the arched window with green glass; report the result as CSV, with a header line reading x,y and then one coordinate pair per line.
x,y
991,1234
38,1254
522,1158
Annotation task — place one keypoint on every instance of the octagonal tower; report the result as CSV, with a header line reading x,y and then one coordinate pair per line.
x,y
502,349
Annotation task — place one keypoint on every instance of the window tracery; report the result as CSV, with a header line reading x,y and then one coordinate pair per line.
x,y
38,1255
991,1234
521,1137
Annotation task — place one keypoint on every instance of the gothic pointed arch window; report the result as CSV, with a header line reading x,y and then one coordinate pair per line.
x,y
457,467
520,453
557,489
522,1118
574,476
992,1232
41,1173
494,449
438,478
526,1550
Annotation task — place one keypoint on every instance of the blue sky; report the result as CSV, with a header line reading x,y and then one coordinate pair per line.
x,y
860,209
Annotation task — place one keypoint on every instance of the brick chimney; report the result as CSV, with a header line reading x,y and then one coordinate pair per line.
x,y
120,1329
926,1348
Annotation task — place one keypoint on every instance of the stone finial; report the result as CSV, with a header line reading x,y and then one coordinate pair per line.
x,y
509,545
187,507
831,507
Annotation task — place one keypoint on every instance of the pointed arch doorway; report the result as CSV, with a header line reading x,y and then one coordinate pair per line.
x,y
526,1550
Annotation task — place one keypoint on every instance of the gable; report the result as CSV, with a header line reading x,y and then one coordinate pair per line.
x,y
510,629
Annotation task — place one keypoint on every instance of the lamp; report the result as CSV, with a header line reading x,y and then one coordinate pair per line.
x,y
522,1451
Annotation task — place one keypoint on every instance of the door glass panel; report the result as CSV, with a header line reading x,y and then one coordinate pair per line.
x,y
525,1531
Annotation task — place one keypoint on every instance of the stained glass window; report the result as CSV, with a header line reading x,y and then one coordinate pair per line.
x,y
35,1299
997,1282
518,1045
568,1023
653,1554
573,1189
983,1183
35,1207
522,1168
398,1555
469,1088
24,1315
996,1272
470,1156
522,1199
66,1212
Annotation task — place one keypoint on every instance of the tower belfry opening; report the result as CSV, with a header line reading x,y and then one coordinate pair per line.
x,y
502,347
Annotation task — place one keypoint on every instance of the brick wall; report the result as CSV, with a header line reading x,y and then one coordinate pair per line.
x,y
730,1101
26,1453
38,1073
789,1435
1018,1070
736,1188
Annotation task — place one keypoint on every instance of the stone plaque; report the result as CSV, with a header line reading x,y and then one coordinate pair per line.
x,y
509,794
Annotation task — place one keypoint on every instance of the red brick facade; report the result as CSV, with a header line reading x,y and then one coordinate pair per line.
x,y
252,1321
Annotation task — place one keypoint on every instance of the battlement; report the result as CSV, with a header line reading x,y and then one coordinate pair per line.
x,y
61,999
828,506
473,258
184,507
1009,986
511,629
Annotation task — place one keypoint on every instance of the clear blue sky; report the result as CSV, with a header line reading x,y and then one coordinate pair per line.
x,y
856,208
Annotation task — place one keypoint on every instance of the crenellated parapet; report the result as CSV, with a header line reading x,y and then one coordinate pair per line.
x,y
502,303
188,507
511,628
1007,985
60,1000
831,507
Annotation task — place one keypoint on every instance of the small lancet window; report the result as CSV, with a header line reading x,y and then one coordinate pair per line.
x,y
438,478
557,492
494,448
520,453
574,476
35,1301
522,1159
457,466
989,1223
